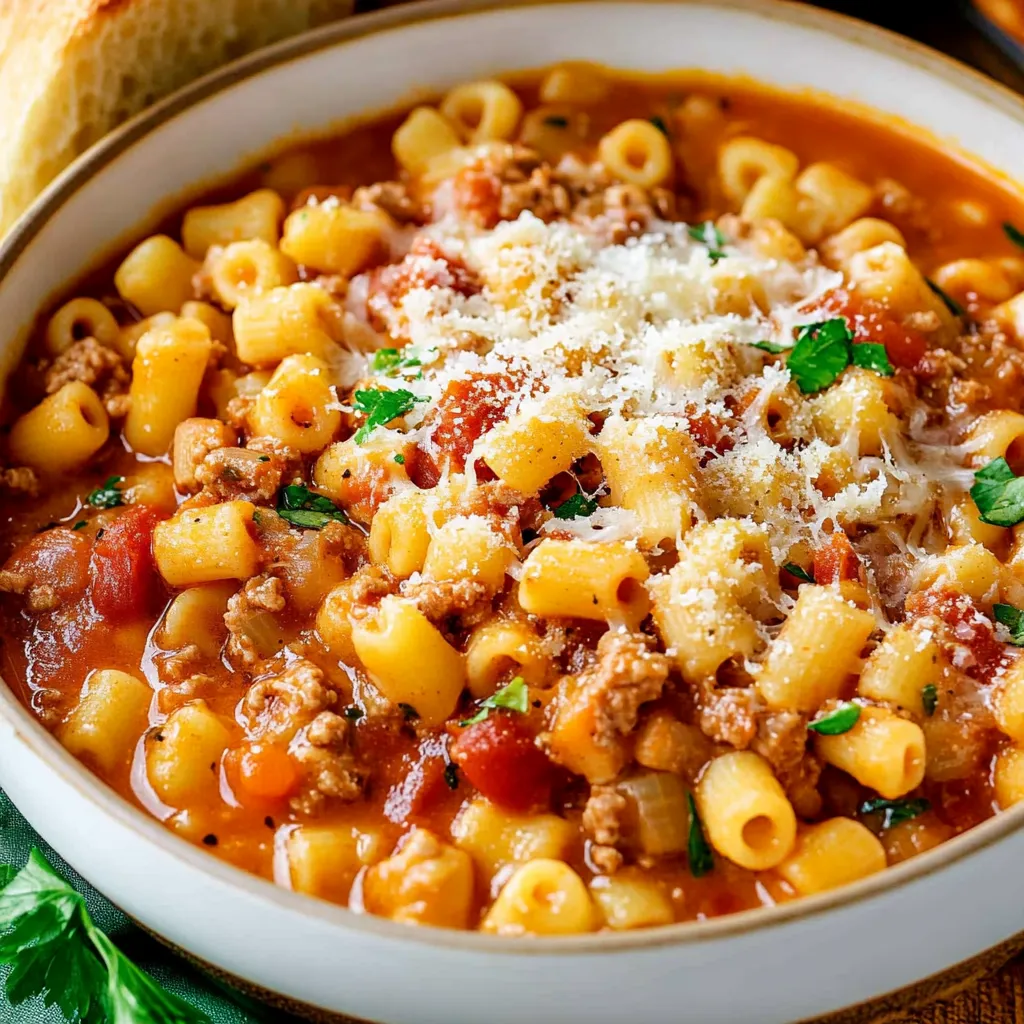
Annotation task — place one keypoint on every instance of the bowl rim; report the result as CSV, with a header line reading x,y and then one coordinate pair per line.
x,y
43,745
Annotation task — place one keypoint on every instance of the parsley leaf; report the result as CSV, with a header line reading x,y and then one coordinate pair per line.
x,y
107,496
799,572
400,459
514,697
947,300
56,952
821,353
698,853
1013,619
390,360
576,507
869,356
709,235
835,723
998,494
381,407
895,811
930,697
1013,234
300,506
769,346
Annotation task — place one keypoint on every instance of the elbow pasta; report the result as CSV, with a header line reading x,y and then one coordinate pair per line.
x,y
604,518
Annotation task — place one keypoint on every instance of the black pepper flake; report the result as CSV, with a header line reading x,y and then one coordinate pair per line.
x,y
346,474
269,822
537,704
451,775
209,840
100,532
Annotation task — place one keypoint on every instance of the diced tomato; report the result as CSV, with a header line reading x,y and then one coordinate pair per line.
x,y
969,628
57,558
835,560
124,576
422,469
709,431
422,785
871,322
469,408
266,771
476,195
499,757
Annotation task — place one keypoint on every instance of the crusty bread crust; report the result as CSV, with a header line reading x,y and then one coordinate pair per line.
x,y
70,70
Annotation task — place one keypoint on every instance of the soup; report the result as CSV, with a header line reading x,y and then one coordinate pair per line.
x,y
586,503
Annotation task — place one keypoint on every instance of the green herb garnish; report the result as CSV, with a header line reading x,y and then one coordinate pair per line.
x,y
1013,234
769,346
1013,619
514,697
409,713
869,356
698,852
999,494
381,407
107,496
400,459
263,458
799,572
56,952
895,811
300,506
930,696
835,723
390,360
578,506
80,525
947,300
451,775
659,123
821,353
709,235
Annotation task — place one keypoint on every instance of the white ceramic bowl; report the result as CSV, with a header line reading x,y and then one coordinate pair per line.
x,y
766,966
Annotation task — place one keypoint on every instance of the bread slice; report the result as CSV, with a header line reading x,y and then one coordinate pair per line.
x,y
70,70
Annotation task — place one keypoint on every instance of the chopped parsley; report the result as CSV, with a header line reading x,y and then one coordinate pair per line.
x,y
769,346
930,696
107,496
709,235
400,459
1015,235
389,361
514,697
409,713
821,353
999,494
835,723
1013,619
556,121
300,506
451,775
659,123
698,852
895,811
947,300
263,458
576,507
799,572
80,525
869,356
56,952
381,407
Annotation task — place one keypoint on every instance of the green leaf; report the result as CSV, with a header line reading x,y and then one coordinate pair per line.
x,y
659,123
381,407
7,872
707,234
835,723
389,361
930,698
947,300
400,459
698,851
1013,234
578,506
799,572
107,496
769,346
869,356
1013,619
998,494
895,811
514,697
300,506
821,353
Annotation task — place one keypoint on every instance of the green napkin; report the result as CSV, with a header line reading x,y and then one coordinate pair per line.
x,y
221,1004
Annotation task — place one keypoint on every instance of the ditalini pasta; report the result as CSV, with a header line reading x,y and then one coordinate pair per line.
x,y
575,504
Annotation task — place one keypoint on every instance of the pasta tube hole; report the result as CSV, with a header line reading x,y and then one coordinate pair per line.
x,y
759,833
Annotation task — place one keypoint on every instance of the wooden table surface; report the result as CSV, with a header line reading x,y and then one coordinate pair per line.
x,y
999,997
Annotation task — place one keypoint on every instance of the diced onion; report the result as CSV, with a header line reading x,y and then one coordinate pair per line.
x,y
662,818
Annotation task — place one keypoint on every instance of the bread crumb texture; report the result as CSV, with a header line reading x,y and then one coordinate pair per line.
x,y
71,70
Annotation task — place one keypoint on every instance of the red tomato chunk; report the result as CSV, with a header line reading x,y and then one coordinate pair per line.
x,y
835,560
124,577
